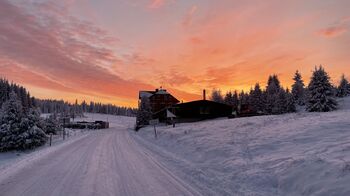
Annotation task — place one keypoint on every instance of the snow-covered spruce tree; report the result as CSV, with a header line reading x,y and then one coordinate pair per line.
x,y
52,125
290,102
231,98
298,89
280,102
255,98
216,96
273,96
343,89
4,91
10,119
243,98
320,93
144,113
34,135
19,130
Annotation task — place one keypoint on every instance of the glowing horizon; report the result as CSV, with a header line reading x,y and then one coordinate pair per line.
x,y
107,51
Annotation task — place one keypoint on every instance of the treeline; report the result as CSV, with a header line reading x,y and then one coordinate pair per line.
x,y
77,109
23,95
59,106
22,127
318,96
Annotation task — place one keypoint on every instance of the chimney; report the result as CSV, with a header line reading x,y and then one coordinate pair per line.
x,y
204,94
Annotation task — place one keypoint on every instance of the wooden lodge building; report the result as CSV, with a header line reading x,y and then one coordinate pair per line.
x,y
165,106
158,99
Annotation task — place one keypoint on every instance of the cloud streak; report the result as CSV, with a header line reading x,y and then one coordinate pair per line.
x,y
335,30
331,32
155,4
67,51
189,16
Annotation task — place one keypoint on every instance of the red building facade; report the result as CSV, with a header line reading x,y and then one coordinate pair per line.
x,y
158,99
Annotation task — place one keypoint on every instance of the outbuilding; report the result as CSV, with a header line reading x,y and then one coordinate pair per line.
x,y
201,110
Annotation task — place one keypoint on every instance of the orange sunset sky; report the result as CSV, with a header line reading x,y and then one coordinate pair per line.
x,y
108,50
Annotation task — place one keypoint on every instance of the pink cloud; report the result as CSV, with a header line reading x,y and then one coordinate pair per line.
x,y
336,30
17,73
189,16
70,53
331,32
196,40
156,4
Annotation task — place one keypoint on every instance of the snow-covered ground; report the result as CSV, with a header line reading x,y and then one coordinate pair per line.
x,y
293,154
103,162
9,158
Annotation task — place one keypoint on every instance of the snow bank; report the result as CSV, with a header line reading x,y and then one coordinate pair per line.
x,y
293,154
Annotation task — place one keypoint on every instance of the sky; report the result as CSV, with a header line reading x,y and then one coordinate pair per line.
x,y
108,50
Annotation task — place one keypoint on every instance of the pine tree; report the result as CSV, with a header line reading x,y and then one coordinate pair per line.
x,y
274,96
52,125
343,89
273,85
290,102
144,113
231,98
217,96
243,98
19,129
34,135
4,88
320,94
280,102
255,98
298,89
11,117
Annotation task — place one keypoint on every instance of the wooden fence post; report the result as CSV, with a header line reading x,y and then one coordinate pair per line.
x,y
155,132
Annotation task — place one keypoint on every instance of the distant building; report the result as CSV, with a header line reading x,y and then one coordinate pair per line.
x,y
195,111
158,99
167,108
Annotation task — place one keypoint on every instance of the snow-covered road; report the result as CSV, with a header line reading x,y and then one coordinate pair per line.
x,y
105,162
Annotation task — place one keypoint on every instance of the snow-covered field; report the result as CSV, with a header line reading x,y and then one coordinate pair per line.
x,y
293,154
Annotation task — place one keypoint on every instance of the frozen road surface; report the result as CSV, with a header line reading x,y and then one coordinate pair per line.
x,y
102,163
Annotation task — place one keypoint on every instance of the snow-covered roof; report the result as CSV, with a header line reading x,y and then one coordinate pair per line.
x,y
148,94
162,92
145,94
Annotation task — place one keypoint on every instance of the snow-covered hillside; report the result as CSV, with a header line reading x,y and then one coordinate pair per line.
x,y
293,154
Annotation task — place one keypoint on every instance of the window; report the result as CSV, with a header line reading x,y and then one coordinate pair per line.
x,y
204,110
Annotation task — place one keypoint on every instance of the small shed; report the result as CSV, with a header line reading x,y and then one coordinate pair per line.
x,y
103,124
